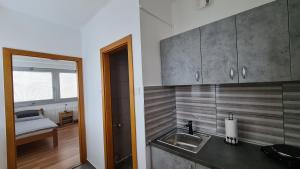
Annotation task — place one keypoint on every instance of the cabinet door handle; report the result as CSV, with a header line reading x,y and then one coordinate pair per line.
x,y
244,72
231,73
197,77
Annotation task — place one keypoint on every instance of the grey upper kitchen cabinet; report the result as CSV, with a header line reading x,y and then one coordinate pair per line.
x,y
219,53
181,59
294,14
164,160
263,43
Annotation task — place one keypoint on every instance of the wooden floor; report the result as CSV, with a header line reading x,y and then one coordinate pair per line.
x,y
42,155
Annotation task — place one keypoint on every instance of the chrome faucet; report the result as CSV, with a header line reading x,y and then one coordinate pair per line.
x,y
190,126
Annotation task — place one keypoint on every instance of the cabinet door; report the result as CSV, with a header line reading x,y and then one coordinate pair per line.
x,y
263,43
294,13
181,59
219,53
198,166
164,160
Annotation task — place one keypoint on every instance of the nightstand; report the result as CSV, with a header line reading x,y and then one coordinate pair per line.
x,y
66,117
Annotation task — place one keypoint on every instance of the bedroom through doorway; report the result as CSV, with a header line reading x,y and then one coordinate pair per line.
x,y
47,113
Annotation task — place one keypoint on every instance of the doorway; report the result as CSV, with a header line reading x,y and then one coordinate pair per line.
x,y
39,89
118,105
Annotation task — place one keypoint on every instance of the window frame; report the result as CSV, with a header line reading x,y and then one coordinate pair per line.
x,y
55,87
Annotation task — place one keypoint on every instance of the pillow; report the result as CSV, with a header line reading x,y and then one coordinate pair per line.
x,y
27,113
28,118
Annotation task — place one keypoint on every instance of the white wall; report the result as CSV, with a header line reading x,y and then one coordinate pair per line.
x,y
155,25
153,30
116,20
161,8
185,15
22,32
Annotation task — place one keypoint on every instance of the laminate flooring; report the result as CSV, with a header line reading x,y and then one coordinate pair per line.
x,y
42,154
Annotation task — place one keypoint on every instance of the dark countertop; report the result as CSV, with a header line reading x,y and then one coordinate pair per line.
x,y
218,155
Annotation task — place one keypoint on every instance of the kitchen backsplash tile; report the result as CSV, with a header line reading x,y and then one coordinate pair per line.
x,y
267,113
196,103
160,114
258,108
291,104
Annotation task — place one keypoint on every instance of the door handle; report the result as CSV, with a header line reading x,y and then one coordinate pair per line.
x,y
244,72
197,77
119,125
231,73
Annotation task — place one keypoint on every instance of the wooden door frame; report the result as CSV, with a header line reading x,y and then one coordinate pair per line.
x,y
9,101
106,94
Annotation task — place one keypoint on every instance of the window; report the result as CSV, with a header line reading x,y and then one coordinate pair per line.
x,y
68,85
37,86
32,86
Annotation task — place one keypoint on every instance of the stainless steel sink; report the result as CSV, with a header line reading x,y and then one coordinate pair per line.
x,y
181,139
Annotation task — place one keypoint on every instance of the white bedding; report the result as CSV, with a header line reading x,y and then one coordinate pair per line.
x,y
25,127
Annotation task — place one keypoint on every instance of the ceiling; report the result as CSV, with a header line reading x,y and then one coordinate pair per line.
x,y
71,13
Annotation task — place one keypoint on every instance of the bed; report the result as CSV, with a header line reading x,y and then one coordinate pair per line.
x,y
31,125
